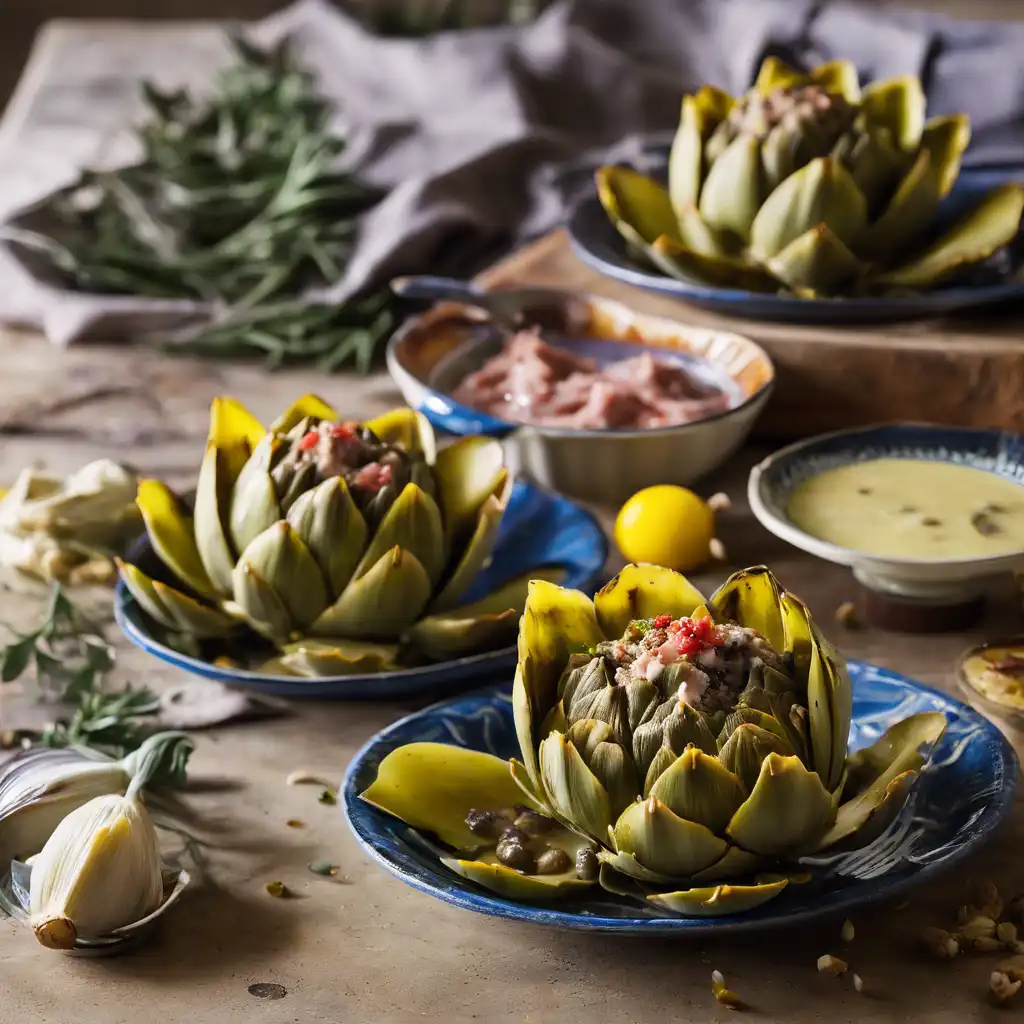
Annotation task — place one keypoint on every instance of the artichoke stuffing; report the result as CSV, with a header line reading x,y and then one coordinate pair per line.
x,y
348,546
676,748
812,185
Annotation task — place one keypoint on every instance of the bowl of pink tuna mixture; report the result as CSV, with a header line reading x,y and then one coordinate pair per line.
x,y
590,398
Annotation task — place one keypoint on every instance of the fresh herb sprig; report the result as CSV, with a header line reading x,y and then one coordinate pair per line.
x,y
72,659
238,201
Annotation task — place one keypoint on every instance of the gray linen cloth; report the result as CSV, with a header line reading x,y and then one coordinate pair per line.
x,y
477,134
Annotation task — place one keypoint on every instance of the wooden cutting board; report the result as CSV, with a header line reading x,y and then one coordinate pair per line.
x,y
960,371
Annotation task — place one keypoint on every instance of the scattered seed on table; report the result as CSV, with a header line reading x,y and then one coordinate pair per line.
x,y
267,990
278,890
327,797
295,823
324,867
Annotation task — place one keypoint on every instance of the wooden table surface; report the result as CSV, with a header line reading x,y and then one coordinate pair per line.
x,y
363,948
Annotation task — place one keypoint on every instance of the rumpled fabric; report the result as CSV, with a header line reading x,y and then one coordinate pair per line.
x,y
485,138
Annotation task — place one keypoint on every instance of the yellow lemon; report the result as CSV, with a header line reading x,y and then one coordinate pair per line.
x,y
665,525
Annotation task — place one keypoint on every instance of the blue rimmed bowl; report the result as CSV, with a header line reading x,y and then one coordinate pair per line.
x,y
772,482
965,791
433,353
1000,281
538,529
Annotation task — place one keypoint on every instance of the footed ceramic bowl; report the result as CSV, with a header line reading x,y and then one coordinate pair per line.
x,y
434,352
928,581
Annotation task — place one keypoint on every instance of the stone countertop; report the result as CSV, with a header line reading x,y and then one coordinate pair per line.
x,y
363,948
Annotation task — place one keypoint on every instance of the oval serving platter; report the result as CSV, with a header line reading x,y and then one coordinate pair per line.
x,y
965,792
596,242
538,529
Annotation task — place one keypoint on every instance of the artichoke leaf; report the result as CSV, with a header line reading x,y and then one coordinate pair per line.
x,y
745,751
523,780
643,592
253,507
331,526
822,192
686,159
752,598
382,604
734,188
704,240
896,752
191,616
408,428
433,786
314,659
838,76
698,788
310,407
788,809
572,789
816,263
897,104
233,426
481,625
637,202
665,843
692,267
798,641
626,864
734,864
260,605
171,534
775,73
719,900
875,163
468,473
213,497
946,139
910,211
990,225
413,523
516,885
882,815
523,715
820,714
140,586
840,700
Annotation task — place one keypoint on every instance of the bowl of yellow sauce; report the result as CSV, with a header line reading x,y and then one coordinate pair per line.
x,y
918,512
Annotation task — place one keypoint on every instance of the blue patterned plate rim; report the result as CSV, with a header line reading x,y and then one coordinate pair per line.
x,y
773,479
585,568
967,729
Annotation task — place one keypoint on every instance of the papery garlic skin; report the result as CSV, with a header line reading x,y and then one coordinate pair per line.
x,y
100,870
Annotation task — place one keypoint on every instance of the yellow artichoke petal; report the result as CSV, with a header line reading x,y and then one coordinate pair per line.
x,y
898,751
468,473
990,225
797,639
734,188
523,715
816,263
636,201
281,559
752,598
213,497
788,810
314,659
946,139
191,616
311,406
899,105
382,604
688,266
412,523
735,863
876,164
702,239
527,784
433,786
840,701
140,586
665,843
254,508
627,864
478,548
910,211
699,788
408,428
775,73
884,813
722,899
644,592
686,159
171,534
332,527
482,625
231,424
743,753
839,76
515,885
572,790
260,605
822,192
819,713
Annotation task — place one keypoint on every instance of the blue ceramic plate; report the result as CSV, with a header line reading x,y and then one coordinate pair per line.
x,y
599,245
964,793
537,529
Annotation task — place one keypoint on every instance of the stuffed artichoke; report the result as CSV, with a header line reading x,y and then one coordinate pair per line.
x,y
673,750
346,545
811,185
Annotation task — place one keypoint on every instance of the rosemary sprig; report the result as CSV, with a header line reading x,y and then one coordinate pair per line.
x,y
72,659
238,202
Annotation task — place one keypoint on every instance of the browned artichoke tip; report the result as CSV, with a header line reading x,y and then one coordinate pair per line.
x,y
56,933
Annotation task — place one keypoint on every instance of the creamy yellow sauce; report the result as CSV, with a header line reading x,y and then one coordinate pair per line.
x,y
912,508
998,674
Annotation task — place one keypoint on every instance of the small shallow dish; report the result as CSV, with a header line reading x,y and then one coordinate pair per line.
x,y
433,353
538,529
965,792
930,581
1008,704
596,242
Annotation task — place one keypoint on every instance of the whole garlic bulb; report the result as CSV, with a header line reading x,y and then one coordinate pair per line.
x,y
100,870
